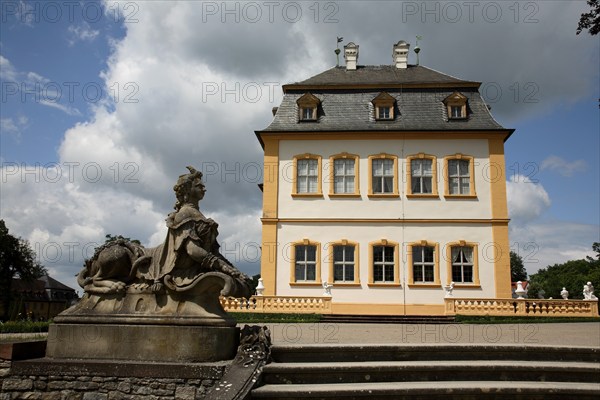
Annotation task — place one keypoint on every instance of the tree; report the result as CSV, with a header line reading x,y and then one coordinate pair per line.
x,y
571,275
517,270
112,238
590,20
17,259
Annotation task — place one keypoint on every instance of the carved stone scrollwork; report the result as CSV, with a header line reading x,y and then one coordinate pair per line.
x,y
243,374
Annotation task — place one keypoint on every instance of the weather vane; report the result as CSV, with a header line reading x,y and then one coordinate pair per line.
x,y
337,50
417,48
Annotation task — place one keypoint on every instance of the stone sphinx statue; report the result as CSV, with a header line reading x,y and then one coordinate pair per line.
x,y
189,251
138,296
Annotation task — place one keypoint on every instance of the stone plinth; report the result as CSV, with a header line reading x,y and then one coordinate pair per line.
x,y
159,343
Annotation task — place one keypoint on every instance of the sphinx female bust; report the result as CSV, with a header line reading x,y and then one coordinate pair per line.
x,y
189,251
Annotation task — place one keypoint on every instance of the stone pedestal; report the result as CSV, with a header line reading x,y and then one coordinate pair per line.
x,y
159,343
188,327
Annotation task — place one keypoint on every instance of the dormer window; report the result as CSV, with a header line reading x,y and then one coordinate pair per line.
x,y
384,106
456,105
307,108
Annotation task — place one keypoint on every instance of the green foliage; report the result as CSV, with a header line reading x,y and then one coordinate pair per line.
x,y
24,327
517,269
572,275
112,238
266,318
17,259
590,20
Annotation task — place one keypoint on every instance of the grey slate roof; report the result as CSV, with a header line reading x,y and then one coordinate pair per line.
x,y
380,74
345,106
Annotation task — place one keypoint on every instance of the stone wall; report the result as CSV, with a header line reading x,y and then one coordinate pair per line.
x,y
22,377
53,387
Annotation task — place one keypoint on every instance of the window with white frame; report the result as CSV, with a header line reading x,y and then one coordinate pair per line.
x,y
383,176
307,176
423,264
343,263
306,263
383,264
459,178
344,175
421,176
462,264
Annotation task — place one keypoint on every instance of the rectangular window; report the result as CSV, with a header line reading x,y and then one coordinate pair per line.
x,y
383,176
456,112
421,176
383,264
458,177
343,172
343,263
308,174
385,113
462,264
423,264
306,262
308,114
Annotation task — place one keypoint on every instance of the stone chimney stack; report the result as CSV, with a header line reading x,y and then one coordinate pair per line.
x,y
400,54
351,55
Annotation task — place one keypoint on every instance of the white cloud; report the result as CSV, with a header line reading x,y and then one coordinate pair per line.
x,y
527,200
541,244
7,70
563,167
10,126
82,33
66,109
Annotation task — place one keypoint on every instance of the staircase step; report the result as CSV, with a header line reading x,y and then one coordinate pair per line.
x,y
463,390
404,371
315,353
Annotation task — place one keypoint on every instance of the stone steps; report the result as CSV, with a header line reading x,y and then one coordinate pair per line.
x,y
524,390
387,319
416,371
432,371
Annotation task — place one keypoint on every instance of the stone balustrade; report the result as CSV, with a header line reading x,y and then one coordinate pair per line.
x,y
278,304
522,307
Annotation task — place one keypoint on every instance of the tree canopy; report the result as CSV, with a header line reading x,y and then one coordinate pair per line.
x,y
571,275
590,20
517,269
17,259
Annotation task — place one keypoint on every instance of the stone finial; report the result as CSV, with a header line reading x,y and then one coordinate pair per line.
x,y
400,54
449,288
260,288
351,55
564,293
520,291
327,289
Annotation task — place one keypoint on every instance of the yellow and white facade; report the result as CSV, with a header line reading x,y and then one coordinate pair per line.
x,y
388,183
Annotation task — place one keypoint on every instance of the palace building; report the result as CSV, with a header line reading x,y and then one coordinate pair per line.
x,y
388,183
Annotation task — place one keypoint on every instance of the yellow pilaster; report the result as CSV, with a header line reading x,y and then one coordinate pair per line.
x,y
497,178
268,261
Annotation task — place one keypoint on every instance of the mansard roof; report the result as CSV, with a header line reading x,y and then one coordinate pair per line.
x,y
346,102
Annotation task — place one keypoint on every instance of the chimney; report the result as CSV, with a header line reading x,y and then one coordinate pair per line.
x,y
400,54
351,55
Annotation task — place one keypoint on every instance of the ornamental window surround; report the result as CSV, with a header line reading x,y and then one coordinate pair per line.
x,y
305,268
344,175
421,174
456,106
308,105
385,105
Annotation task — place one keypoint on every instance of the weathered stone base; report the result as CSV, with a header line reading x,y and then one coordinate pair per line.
x,y
48,379
159,343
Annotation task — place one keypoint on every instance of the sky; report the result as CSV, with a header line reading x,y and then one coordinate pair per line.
x,y
103,104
